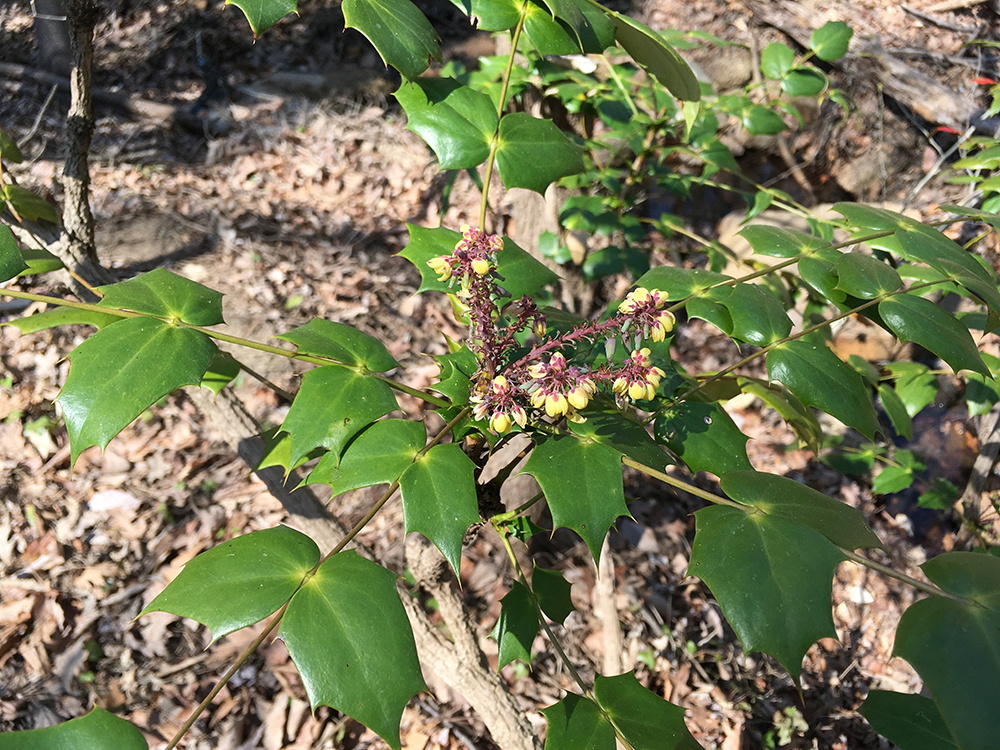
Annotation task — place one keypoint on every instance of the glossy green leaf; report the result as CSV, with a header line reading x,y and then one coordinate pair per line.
x,y
804,81
166,295
758,317
457,370
798,417
566,10
552,591
222,371
866,277
762,201
872,217
771,576
980,394
546,34
781,496
612,260
583,485
263,14
955,646
439,498
523,275
61,316
896,410
349,637
820,379
831,40
534,153
624,435
576,723
11,262
648,49
759,120
379,455
892,479
39,261
817,272
98,730
28,205
646,721
919,320
679,283
493,15
9,150
278,451
516,627
343,343
711,312
120,371
776,60
909,721
239,582
779,242
703,436
333,405
400,33
457,122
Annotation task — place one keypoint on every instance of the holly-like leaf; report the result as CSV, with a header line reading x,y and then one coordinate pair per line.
x,y
333,405
11,262
340,342
583,485
439,498
278,451
120,371
61,316
493,15
533,153
222,371
552,591
9,150
457,122
758,317
778,242
523,275
649,50
830,41
703,436
27,205
866,277
820,379
349,637
919,320
771,576
516,627
400,33
907,720
576,723
378,455
781,496
166,295
457,370
239,582
98,730
646,721
955,646
263,14
625,435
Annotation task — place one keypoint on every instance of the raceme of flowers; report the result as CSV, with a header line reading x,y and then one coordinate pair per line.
x,y
543,380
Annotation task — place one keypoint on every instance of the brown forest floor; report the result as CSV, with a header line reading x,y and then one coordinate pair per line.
x,y
294,206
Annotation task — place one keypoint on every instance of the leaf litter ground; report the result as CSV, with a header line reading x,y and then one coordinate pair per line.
x,y
294,209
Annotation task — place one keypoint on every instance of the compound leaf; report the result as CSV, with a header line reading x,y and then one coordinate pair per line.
x,y
646,721
348,634
340,342
98,730
166,295
400,33
239,582
772,577
333,405
439,498
122,370
583,485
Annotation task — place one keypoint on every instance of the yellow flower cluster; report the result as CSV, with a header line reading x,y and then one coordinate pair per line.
x,y
639,387
645,304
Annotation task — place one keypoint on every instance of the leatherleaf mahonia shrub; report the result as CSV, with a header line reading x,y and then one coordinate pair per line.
x,y
588,395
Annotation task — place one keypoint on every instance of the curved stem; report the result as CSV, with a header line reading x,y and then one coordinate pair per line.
x,y
682,485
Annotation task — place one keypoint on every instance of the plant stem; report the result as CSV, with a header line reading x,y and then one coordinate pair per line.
x,y
682,485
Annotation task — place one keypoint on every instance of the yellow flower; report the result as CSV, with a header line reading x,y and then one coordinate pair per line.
x,y
556,405
500,423
441,266
578,397
481,266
